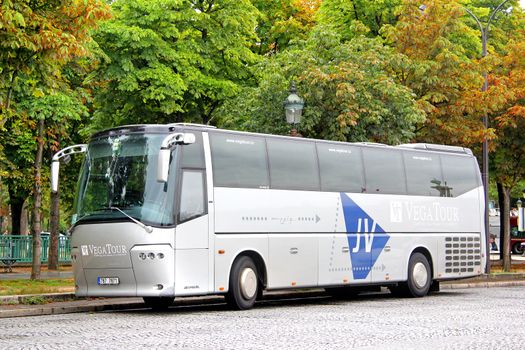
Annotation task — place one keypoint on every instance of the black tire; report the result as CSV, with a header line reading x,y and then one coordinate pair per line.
x,y
517,249
419,276
244,284
158,303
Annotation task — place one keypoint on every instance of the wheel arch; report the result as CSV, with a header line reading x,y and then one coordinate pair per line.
x,y
258,261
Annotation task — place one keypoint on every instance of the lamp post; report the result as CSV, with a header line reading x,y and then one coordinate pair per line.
x,y
485,150
293,107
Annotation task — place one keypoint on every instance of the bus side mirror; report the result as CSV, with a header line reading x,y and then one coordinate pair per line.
x,y
55,164
163,166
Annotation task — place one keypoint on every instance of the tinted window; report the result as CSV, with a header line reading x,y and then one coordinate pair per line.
x,y
423,171
193,154
459,174
293,165
191,195
341,168
239,161
384,171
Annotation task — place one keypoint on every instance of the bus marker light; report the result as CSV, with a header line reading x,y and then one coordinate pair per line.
x,y
221,251
345,280
159,286
294,283
221,288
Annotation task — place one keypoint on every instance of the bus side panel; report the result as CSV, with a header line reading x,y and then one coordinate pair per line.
x,y
392,264
293,260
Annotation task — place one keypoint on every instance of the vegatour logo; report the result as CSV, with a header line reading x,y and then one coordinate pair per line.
x,y
107,249
434,212
366,238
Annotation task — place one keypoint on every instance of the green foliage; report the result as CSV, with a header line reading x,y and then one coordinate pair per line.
x,y
349,94
357,17
167,61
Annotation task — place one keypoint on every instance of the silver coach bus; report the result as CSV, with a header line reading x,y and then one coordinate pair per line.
x,y
164,211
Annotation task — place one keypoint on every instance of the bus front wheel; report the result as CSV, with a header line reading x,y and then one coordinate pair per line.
x,y
244,284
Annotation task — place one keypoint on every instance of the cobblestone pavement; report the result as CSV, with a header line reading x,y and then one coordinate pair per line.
x,y
454,319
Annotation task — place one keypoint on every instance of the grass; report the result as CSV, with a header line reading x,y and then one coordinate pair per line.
x,y
24,286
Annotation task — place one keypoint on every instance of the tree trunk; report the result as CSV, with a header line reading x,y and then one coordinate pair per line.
x,y
52,263
501,201
17,204
37,195
505,213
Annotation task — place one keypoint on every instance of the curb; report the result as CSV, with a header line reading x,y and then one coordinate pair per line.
x,y
64,303
26,298
494,284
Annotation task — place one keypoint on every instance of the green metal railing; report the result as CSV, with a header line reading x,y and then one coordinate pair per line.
x,y
19,249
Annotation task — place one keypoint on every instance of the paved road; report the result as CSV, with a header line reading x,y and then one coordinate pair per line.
x,y
465,319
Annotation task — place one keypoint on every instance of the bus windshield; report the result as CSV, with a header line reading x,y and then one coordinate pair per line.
x,y
120,171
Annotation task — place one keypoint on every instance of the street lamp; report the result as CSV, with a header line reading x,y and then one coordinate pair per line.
x,y
485,171
293,106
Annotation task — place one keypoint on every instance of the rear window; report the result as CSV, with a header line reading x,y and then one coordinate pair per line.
x,y
459,174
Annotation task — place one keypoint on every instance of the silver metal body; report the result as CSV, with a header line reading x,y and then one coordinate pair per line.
x,y
301,238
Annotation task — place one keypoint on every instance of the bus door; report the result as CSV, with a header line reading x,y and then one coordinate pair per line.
x,y
192,238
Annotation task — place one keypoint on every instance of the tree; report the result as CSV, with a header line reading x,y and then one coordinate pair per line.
x,y
284,22
36,39
172,61
356,17
508,159
349,94
50,112
445,80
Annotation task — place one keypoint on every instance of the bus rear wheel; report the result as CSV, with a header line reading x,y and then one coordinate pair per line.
x,y
418,281
244,284
158,303
419,276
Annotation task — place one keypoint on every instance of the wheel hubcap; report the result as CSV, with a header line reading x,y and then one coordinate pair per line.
x,y
420,275
248,283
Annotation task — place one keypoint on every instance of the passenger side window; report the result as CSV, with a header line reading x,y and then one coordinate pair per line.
x,y
459,173
192,195
293,165
239,161
384,171
193,154
341,168
423,171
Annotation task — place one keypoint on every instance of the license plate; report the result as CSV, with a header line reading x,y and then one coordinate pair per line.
x,y
105,281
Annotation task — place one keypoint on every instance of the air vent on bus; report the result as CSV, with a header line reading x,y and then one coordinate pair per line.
x,y
435,147
462,254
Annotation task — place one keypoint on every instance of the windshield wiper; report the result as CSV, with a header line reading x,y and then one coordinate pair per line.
x,y
146,228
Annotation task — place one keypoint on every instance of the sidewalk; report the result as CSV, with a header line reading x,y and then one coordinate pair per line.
x,y
63,303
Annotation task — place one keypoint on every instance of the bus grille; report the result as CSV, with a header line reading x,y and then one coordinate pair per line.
x,y
462,254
